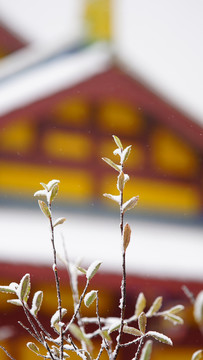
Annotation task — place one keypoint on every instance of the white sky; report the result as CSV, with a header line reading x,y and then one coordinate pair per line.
x,y
161,39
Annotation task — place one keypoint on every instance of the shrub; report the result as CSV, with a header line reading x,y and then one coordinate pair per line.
x,y
65,338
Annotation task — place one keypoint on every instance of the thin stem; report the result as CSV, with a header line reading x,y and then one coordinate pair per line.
x,y
105,343
138,349
31,323
77,308
131,342
100,352
123,282
47,346
75,293
29,331
57,283
7,353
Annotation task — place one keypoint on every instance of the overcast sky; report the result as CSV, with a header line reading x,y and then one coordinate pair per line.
x,y
161,38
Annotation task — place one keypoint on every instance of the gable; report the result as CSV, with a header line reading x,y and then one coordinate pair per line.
x,y
65,135
9,42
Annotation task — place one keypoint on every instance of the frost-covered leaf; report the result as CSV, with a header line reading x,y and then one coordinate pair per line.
x,y
126,236
117,152
44,186
198,308
174,319
116,198
115,326
82,270
10,289
90,297
56,317
36,302
33,347
112,164
146,351
16,302
175,309
23,290
106,335
93,268
131,330
126,178
130,204
40,193
120,181
51,184
140,304
79,335
118,142
155,306
198,355
142,322
44,208
160,337
55,351
59,221
53,192
125,153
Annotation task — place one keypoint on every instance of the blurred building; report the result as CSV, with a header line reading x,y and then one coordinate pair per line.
x,y
58,112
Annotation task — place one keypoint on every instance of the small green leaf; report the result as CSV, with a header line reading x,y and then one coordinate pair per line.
x,y
51,184
118,142
93,268
81,269
23,290
175,309
130,204
44,208
53,192
56,351
112,164
146,351
41,193
90,297
44,186
79,335
33,347
11,289
155,306
59,221
116,198
173,318
142,322
120,181
131,330
125,154
140,304
115,326
198,308
198,355
16,302
56,317
160,337
36,303
126,236
106,335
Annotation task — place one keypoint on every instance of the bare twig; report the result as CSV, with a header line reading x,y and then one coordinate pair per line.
x,y
29,331
123,282
7,353
138,349
77,308
55,269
